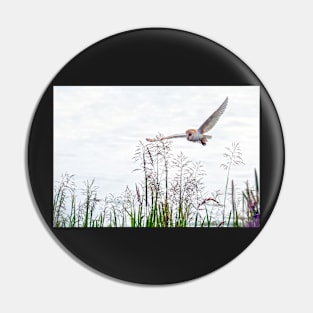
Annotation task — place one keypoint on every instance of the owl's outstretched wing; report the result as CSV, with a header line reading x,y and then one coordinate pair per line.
x,y
212,120
167,137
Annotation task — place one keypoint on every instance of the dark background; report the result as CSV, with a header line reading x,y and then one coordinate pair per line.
x,y
155,57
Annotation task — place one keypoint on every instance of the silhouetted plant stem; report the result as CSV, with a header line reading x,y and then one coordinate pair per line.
x,y
233,157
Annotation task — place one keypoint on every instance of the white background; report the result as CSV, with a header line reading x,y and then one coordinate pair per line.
x,y
97,130
274,38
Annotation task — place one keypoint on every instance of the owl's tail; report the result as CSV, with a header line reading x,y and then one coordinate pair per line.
x,y
205,139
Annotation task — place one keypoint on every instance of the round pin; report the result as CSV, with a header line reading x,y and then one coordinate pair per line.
x,y
156,156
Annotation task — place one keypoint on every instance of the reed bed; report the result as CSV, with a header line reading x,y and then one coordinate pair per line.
x,y
171,194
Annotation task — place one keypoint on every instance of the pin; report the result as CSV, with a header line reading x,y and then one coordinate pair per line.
x,y
190,209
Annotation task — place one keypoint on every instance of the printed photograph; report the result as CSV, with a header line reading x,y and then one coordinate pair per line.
x,y
156,156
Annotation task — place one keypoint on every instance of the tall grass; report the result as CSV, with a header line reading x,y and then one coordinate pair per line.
x,y
171,194
233,157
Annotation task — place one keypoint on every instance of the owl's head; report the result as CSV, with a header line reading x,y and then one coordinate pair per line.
x,y
190,133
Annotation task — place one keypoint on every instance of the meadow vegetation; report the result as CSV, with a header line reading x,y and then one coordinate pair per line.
x,y
172,193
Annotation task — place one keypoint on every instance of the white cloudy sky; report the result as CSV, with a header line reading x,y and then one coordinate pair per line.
x,y
96,130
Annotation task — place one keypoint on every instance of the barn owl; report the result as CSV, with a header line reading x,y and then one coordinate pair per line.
x,y
199,135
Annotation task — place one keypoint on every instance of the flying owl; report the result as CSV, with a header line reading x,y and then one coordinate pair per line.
x,y
198,135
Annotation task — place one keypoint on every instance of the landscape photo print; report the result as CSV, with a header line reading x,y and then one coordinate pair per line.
x,y
156,156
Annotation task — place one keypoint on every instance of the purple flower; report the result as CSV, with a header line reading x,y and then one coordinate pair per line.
x,y
256,222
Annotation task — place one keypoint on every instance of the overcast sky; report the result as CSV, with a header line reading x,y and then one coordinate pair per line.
x,y
96,130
